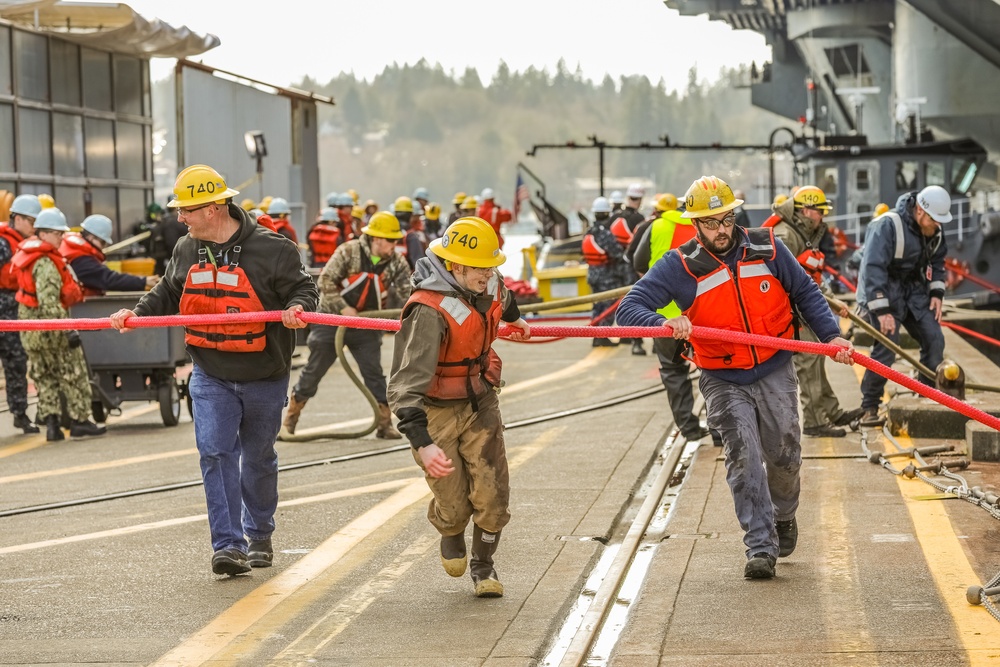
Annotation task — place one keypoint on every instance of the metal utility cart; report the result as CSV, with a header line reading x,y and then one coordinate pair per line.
x,y
138,366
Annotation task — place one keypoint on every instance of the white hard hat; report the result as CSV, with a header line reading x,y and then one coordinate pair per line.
x,y
617,197
635,191
26,205
278,207
936,201
52,219
601,205
98,225
487,193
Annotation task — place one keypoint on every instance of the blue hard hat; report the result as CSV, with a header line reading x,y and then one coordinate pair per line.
x,y
26,205
421,193
329,214
344,200
51,219
98,225
331,199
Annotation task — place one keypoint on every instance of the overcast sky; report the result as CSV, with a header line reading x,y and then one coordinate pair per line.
x,y
279,42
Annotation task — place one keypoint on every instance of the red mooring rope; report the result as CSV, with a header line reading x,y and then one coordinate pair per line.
x,y
738,337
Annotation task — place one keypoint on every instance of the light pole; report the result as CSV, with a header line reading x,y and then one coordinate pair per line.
x,y
257,148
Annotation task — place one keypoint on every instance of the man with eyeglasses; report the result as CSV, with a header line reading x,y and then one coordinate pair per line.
x,y
737,279
230,264
798,222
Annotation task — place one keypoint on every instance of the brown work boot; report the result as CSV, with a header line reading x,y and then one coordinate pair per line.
x,y
294,411
385,429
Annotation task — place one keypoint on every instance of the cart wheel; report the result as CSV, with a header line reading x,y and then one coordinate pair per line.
x,y
97,409
170,403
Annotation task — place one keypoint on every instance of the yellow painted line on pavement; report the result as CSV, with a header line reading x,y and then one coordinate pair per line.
x,y
950,567
588,362
232,622
212,641
36,441
39,474
167,523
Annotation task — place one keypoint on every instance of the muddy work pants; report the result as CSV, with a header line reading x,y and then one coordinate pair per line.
x,y
759,424
479,488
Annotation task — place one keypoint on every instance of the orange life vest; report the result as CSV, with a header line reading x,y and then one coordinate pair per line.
x,y
323,240
74,246
621,231
466,356
211,291
14,240
264,220
23,263
284,225
593,254
364,290
755,302
811,259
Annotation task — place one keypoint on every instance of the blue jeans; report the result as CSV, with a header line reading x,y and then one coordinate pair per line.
x,y
235,426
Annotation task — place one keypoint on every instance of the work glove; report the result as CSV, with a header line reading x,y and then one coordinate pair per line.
x,y
73,336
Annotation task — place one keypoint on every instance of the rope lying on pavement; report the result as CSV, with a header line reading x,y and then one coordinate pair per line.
x,y
737,337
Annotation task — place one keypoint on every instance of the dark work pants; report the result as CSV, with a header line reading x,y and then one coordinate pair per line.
x,y
15,369
366,348
925,330
675,378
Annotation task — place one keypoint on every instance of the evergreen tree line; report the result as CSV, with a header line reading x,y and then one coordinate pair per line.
x,y
416,125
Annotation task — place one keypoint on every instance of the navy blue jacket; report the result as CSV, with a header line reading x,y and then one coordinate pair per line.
x,y
668,281
97,276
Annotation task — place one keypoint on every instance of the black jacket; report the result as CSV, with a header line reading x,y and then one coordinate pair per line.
x,y
275,271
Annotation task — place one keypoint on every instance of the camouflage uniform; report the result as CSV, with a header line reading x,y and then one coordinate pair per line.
x,y
616,273
55,366
12,354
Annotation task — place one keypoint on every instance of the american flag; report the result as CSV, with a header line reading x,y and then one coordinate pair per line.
x,y
520,194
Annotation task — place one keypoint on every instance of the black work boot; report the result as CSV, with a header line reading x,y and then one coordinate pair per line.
x,y
85,429
484,544
22,422
637,348
871,419
453,555
53,431
260,553
849,418
760,566
824,431
229,561
788,535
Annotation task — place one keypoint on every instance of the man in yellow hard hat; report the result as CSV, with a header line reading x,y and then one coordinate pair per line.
x,y
443,389
365,273
229,264
457,200
742,280
801,228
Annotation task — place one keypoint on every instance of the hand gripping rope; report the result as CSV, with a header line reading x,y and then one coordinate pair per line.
x,y
563,332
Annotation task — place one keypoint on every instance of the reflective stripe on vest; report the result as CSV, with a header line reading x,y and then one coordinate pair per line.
x,y
755,303
211,291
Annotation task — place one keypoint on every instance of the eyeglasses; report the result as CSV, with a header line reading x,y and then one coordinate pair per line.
x,y
480,270
189,211
712,224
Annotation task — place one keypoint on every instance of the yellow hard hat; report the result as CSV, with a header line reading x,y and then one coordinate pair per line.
x,y
354,194
432,211
200,184
779,199
709,196
458,198
357,212
403,205
384,225
248,205
666,202
881,209
265,203
469,241
46,201
469,204
809,196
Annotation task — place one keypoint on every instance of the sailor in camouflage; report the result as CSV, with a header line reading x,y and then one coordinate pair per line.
x,y
46,289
